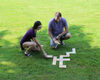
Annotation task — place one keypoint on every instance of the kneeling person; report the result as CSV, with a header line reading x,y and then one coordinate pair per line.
x,y
32,45
56,30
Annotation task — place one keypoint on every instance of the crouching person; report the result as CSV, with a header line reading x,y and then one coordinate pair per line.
x,y
30,42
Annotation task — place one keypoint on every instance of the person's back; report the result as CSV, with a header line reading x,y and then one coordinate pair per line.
x,y
27,37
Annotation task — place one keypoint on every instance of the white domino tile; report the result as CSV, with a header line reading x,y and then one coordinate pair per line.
x,y
63,58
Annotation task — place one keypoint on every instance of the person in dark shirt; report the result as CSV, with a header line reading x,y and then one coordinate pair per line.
x,y
27,43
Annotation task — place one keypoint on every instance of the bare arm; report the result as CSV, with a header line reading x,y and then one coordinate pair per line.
x,y
64,32
50,34
37,42
44,53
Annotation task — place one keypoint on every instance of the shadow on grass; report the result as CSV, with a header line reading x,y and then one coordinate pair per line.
x,y
4,42
3,33
84,65
79,40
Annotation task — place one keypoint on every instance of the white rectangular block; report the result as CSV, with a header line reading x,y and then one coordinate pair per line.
x,y
62,66
67,55
61,58
68,59
73,51
54,60
50,56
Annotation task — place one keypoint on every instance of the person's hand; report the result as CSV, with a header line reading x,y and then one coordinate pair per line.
x,y
56,42
42,45
58,37
47,56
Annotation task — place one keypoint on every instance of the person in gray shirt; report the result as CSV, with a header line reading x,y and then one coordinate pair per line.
x,y
56,30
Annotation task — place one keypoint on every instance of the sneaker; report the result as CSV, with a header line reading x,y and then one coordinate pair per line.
x,y
27,54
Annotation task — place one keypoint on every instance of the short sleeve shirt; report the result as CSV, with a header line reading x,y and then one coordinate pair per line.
x,y
27,37
57,27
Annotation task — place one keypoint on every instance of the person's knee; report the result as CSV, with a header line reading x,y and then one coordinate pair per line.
x,y
53,45
24,45
31,47
68,36
33,44
29,44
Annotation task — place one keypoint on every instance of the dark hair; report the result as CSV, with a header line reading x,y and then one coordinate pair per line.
x,y
59,14
36,24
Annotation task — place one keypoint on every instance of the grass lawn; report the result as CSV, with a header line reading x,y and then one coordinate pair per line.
x,y
83,17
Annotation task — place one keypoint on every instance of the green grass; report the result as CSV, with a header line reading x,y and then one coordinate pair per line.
x,y
17,16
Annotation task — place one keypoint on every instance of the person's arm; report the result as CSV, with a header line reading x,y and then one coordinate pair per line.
x,y
44,53
50,34
66,29
64,32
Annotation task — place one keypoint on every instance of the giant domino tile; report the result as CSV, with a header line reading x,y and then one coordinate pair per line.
x,y
61,58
